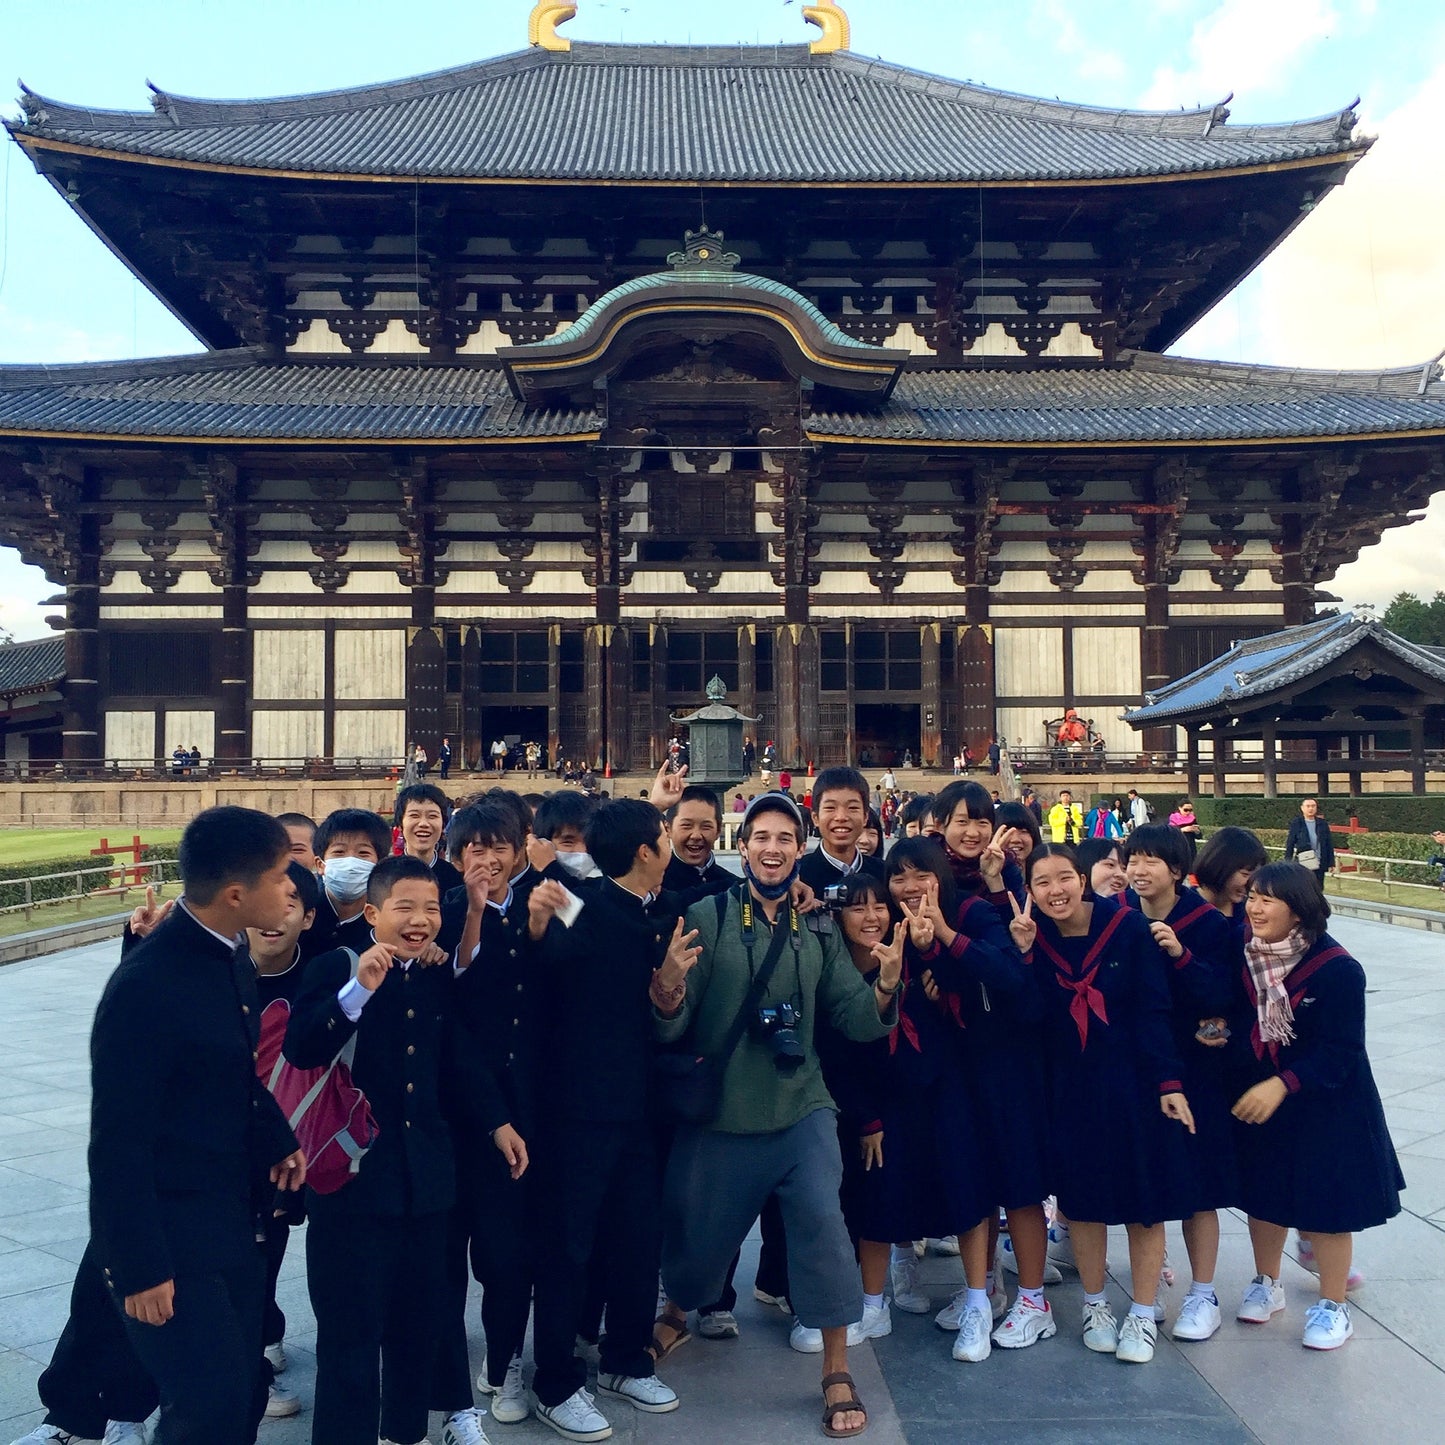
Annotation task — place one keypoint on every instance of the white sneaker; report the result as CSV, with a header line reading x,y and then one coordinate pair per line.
x,y
1327,1325
718,1325
1307,1259
1009,1260
576,1418
464,1428
1101,1329
1061,1251
950,1317
1136,1340
1024,1325
511,1403
998,1302
276,1354
903,1281
804,1340
54,1435
778,1301
1199,1318
1262,1301
946,1245
972,1343
647,1392
128,1432
281,1404
877,1322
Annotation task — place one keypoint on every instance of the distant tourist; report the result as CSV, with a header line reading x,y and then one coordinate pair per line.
x,y
1308,841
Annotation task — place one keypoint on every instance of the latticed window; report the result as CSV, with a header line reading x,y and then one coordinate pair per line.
x,y
513,662
720,506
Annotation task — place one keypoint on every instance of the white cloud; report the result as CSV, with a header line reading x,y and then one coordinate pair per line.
x,y
1242,46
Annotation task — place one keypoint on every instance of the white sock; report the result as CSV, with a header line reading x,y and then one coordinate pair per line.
x,y
977,1299
1204,1288
1145,1312
1034,1296
872,1301
898,1254
988,1282
1094,1299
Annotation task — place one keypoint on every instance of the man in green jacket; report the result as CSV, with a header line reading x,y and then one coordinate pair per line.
x,y
774,1130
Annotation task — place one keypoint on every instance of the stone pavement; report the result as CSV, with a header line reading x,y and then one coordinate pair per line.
x,y
1249,1383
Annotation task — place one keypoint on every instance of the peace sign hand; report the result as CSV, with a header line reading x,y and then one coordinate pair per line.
x,y
667,787
1023,930
889,957
920,925
145,919
993,858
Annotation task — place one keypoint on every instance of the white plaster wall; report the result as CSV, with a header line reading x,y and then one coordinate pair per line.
x,y
1024,724
1029,661
1106,662
191,729
376,735
276,734
370,664
130,735
133,611
318,339
288,665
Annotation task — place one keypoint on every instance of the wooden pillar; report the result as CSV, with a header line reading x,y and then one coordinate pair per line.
x,y
426,671
81,739
810,684
1154,657
1417,752
660,729
471,744
786,735
1322,777
1352,745
931,738
1223,750
973,680
1192,760
618,670
594,661
1298,603
748,676
1271,760
554,695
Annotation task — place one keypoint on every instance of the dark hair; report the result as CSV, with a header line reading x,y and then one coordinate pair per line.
x,y
864,888
874,822
422,793
391,871
970,796
1226,852
840,780
1299,890
1052,850
514,803
298,820
228,845
308,890
926,856
562,809
1015,815
485,822
1091,851
915,810
695,793
1159,840
347,821
617,829
534,800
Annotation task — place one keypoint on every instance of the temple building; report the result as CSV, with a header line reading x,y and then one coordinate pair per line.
x,y
538,391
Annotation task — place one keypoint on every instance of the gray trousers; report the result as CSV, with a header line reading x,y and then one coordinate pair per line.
x,y
716,1187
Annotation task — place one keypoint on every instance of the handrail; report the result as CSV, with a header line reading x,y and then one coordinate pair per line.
x,y
126,872
1385,880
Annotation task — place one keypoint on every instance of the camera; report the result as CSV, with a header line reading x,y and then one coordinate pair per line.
x,y
777,1027
835,895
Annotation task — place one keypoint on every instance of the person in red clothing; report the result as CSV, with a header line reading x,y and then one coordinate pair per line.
x,y
785,781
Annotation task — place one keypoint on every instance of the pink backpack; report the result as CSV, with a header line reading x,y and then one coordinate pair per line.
x,y
328,1114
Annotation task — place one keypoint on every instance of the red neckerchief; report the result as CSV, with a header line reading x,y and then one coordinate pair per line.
x,y
906,1026
966,872
1299,976
1087,999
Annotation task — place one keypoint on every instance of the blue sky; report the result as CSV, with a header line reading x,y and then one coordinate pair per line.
x,y
1362,283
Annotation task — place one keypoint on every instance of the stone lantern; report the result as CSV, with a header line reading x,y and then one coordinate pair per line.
x,y
715,740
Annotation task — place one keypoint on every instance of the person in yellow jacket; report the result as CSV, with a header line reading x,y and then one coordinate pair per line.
x,y
1066,820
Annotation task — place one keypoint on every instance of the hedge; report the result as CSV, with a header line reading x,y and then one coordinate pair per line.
x,y
1386,812
1411,849
50,888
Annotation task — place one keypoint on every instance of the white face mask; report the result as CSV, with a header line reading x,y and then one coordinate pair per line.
x,y
579,865
346,878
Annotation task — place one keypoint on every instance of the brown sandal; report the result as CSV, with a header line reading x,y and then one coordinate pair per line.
x,y
677,1323
843,1407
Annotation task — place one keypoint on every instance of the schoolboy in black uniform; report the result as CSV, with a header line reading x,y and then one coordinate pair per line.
x,y
374,1248
301,830
840,813
694,824
350,842
422,814
182,1133
491,1117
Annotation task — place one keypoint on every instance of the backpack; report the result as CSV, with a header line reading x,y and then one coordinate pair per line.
x,y
329,1115
1149,812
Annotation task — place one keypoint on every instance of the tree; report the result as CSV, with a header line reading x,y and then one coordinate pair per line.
x,y
1416,620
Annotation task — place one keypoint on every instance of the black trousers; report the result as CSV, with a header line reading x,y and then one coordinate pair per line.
x,y
94,1374
206,1359
374,1284
488,1238
273,1325
598,1190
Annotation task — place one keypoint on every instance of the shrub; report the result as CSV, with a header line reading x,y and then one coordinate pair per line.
x,y
13,892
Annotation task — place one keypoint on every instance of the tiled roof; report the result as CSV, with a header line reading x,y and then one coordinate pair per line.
x,y
1145,398
239,395
1263,665
31,666
235,395
695,113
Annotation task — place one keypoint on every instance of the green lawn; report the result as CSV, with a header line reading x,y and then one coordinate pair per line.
x,y
1374,891
37,845
52,915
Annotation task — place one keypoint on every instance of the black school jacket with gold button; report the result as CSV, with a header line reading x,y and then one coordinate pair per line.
x,y
410,1169
182,1131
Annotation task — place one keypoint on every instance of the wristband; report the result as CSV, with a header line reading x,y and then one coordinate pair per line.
x,y
889,992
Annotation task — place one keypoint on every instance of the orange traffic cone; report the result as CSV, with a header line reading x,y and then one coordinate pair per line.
x,y
607,769
810,767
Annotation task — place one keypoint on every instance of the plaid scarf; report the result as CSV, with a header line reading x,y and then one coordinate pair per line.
x,y
1269,966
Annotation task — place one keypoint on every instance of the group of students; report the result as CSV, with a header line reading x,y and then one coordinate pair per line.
x,y
986,1021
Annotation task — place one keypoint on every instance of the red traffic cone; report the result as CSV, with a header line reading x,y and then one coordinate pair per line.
x,y
607,769
810,767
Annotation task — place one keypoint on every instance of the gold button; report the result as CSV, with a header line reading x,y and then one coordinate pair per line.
x,y
512,953
411,1013
510,1057
411,1088
245,1008
408,1123
255,1057
519,988
515,1022
411,1048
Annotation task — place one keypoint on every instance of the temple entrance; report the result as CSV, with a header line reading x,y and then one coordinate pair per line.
x,y
884,732
515,726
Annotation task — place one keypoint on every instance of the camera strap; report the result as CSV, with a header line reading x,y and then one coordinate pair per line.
x,y
759,986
